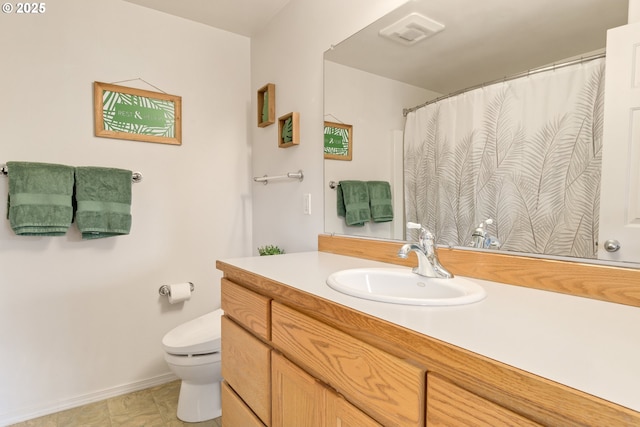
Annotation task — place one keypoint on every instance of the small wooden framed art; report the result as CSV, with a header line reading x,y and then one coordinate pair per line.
x,y
266,105
338,141
127,113
289,130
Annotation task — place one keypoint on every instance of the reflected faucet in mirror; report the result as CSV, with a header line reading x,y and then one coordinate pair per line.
x,y
428,264
481,237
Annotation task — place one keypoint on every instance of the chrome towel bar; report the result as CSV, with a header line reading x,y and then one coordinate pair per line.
x,y
265,179
135,176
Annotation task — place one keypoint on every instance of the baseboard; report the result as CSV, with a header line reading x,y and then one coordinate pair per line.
x,y
35,412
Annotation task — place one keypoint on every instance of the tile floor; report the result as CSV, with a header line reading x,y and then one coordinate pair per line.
x,y
152,407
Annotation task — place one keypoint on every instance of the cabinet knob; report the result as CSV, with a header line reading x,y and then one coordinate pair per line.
x,y
611,245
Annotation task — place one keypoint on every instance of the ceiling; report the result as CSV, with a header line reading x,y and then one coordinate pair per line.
x,y
245,17
482,40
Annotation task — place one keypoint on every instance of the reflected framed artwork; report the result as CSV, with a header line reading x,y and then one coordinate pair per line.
x,y
338,141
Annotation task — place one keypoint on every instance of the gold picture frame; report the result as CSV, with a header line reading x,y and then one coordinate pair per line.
x,y
266,105
289,130
134,114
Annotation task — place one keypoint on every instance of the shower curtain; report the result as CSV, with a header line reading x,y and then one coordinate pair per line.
x,y
525,153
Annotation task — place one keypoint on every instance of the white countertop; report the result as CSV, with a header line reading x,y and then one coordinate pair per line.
x,y
590,345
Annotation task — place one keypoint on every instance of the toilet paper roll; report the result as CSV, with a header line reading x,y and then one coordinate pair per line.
x,y
179,292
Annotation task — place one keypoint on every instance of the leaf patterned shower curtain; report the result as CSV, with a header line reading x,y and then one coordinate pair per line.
x,y
525,153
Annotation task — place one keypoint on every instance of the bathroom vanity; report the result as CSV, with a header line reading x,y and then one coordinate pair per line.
x,y
298,353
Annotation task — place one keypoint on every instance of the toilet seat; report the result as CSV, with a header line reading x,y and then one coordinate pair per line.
x,y
195,337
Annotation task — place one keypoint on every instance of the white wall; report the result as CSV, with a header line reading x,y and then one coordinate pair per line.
x,y
634,11
289,53
373,105
80,320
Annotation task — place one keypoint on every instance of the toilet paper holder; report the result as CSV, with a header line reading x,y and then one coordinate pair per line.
x,y
165,290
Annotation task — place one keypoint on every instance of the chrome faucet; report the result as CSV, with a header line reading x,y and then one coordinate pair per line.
x,y
428,264
482,239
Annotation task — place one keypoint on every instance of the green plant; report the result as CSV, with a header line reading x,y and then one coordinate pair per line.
x,y
270,250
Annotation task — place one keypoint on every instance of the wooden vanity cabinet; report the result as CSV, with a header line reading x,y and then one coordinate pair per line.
x,y
387,387
262,386
290,359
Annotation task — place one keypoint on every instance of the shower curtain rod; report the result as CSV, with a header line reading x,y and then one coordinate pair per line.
x,y
406,111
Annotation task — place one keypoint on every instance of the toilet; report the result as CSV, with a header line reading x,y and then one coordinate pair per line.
x,y
193,353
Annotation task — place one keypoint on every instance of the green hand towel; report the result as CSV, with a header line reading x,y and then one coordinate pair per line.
x,y
380,201
354,196
342,210
103,196
40,198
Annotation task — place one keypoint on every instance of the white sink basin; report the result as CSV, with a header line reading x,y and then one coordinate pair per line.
x,y
402,286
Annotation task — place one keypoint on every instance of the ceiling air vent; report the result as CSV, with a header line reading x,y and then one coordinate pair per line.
x,y
411,29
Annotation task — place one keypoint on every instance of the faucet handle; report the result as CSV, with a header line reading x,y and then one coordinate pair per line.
x,y
426,238
424,233
486,222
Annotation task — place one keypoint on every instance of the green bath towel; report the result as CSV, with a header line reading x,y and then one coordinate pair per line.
x,y
40,198
103,196
380,201
353,202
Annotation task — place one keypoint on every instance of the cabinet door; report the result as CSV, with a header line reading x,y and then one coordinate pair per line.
x,y
303,401
341,413
235,413
450,406
385,386
299,398
246,367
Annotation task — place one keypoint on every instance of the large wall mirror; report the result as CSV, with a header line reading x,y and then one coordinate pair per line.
x,y
371,80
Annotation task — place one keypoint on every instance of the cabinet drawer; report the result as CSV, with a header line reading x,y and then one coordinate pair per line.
x,y
246,366
449,405
386,387
235,413
248,308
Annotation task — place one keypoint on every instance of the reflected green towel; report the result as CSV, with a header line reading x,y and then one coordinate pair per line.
x,y
40,198
353,202
103,196
380,201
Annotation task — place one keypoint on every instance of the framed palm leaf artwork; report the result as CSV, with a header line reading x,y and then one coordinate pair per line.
x,y
127,113
267,105
289,130
338,141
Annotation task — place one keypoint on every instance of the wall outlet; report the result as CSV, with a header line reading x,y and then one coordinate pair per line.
x,y
306,204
